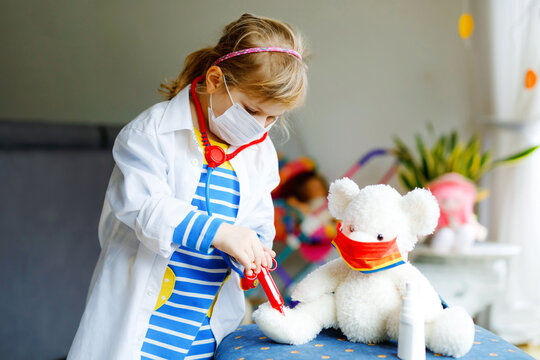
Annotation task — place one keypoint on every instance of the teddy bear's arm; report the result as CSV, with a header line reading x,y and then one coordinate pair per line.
x,y
431,302
323,280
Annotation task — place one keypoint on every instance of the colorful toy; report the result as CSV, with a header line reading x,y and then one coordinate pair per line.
x,y
362,292
458,228
300,221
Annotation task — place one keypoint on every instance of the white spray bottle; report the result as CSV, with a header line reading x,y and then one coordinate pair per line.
x,y
411,342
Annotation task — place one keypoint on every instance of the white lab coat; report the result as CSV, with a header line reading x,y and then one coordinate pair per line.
x,y
158,165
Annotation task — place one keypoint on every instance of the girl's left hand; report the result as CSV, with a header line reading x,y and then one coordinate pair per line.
x,y
244,245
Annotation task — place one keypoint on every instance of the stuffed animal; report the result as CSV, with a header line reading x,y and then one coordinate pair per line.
x,y
361,292
458,228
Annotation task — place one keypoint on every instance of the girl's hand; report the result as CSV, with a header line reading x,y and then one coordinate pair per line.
x,y
244,245
269,254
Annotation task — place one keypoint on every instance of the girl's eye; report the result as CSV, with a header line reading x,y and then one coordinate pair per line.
x,y
352,228
380,237
251,112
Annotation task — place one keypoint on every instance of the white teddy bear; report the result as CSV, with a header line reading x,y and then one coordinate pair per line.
x,y
361,292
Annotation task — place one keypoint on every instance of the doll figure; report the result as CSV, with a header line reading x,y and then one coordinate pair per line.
x,y
458,228
302,218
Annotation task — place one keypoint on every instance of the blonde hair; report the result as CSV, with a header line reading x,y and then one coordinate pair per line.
x,y
269,75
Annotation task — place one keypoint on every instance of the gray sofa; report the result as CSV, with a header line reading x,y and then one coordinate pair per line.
x,y
52,184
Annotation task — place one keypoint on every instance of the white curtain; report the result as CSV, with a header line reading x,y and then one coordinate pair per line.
x,y
506,44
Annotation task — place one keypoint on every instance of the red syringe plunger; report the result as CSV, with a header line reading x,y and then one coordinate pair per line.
x,y
268,285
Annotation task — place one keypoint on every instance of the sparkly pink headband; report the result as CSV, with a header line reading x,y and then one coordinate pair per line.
x,y
257,50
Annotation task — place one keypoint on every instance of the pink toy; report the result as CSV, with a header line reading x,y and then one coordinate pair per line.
x,y
457,228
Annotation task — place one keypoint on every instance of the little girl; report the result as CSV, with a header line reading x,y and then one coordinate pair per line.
x,y
188,206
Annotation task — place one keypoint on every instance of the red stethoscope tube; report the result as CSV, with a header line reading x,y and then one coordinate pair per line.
x,y
214,154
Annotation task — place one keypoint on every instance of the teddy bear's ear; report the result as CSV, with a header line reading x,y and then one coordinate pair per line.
x,y
341,193
423,211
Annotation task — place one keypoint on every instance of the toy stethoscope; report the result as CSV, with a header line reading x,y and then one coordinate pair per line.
x,y
215,156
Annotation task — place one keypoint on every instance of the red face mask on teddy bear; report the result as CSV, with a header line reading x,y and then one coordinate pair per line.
x,y
367,257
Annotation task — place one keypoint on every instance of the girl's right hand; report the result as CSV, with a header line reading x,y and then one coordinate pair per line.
x,y
244,245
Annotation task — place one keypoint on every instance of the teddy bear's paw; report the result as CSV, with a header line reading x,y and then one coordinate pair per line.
x,y
295,328
451,333
366,336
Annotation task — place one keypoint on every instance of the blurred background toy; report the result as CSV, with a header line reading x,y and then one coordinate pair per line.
x,y
458,228
302,221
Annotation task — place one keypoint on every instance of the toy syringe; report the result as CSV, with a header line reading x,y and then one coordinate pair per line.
x,y
268,285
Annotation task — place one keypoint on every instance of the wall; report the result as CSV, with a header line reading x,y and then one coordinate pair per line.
x,y
378,67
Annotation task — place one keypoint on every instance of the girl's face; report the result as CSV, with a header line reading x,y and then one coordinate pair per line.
x,y
264,111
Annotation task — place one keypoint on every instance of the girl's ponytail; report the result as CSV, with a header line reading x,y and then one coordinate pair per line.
x,y
195,64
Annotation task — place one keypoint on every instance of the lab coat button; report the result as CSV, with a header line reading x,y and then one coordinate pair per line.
x,y
150,292
195,162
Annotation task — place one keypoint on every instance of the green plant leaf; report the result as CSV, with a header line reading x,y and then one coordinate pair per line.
x,y
475,166
438,154
405,159
468,157
408,162
406,182
516,157
402,150
473,143
423,155
453,162
485,164
453,141
421,181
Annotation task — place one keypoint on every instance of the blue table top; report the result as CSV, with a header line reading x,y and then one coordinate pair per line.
x,y
249,343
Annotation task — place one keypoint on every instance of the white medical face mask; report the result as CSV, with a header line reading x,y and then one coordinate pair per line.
x,y
236,126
